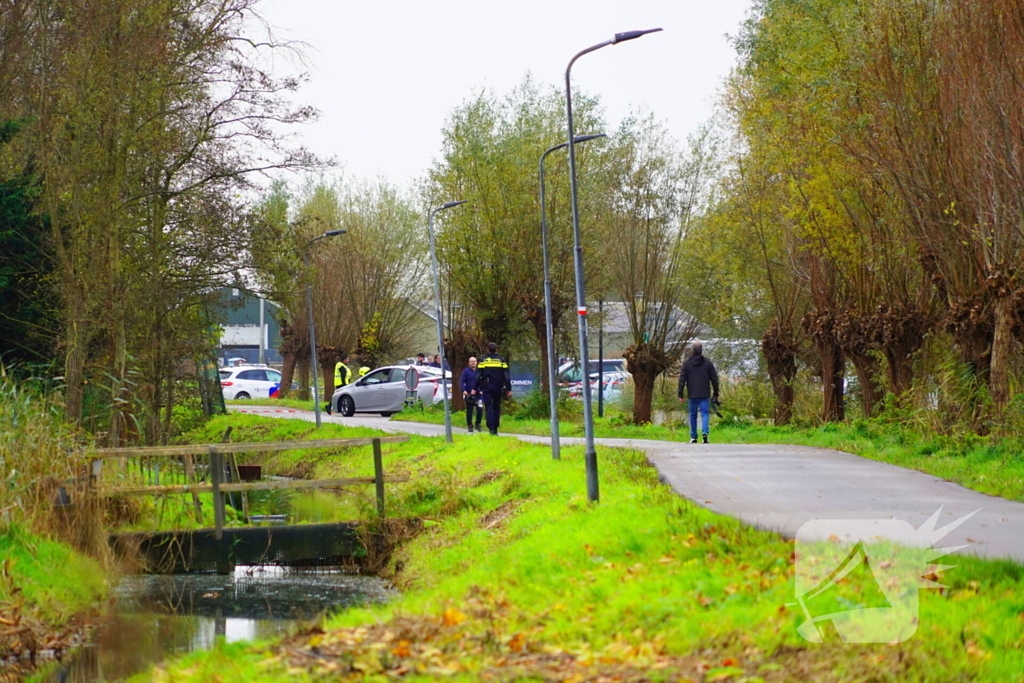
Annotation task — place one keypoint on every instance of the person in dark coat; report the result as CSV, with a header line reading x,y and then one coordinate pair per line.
x,y
474,401
494,382
699,381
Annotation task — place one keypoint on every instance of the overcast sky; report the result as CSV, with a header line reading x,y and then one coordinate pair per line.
x,y
386,75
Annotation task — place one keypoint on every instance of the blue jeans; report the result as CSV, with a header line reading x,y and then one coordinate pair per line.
x,y
704,405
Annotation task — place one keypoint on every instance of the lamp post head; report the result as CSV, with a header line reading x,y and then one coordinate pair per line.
x,y
630,35
332,233
583,138
448,205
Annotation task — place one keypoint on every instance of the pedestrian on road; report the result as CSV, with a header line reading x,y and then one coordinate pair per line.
x,y
474,401
699,381
421,359
342,376
494,382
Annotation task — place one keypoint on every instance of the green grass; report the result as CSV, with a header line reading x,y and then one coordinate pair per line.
x,y
517,577
992,464
278,402
31,585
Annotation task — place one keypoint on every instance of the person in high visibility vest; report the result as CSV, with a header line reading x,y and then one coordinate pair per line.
x,y
494,382
363,371
342,373
342,376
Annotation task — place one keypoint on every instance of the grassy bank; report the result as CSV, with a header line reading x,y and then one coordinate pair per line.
x,y
990,464
38,604
518,577
44,584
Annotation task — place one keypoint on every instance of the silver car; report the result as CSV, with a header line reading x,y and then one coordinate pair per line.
x,y
383,390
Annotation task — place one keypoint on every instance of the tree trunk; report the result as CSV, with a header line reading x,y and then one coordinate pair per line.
x,y
303,367
74,362
459,347
867,372
778,347
287,375
1002,340
644,362
643,394
328,379
901,369
832,372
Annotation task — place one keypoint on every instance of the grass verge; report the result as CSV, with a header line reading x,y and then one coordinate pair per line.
x,y
39,605
517,577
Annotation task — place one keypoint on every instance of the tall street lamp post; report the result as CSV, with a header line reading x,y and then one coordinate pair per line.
x,y
437,312
312,327
589,454
556,452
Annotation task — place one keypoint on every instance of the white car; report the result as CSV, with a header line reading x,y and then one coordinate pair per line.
x,y
613,382
249,381
383,390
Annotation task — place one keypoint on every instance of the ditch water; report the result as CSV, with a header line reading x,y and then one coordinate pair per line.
x,y
156,617
153,618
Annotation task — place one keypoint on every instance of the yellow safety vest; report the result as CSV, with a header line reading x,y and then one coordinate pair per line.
x,y
341,379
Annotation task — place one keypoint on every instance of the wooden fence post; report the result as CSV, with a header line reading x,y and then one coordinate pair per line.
x,y
216,478
378,476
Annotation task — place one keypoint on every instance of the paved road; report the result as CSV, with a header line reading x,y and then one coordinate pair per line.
x,y
780,487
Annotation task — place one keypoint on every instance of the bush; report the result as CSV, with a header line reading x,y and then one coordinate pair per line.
x,y
536,405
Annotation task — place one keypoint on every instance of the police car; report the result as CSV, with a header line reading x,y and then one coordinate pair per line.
x,y
249,381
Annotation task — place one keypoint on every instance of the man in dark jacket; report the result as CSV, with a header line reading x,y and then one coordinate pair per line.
x,y
699,380
474,402
495,382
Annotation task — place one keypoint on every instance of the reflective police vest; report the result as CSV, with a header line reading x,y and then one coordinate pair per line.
x,y
493,375
342,374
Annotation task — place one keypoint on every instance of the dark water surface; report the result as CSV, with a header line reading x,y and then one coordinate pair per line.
x,y
156,617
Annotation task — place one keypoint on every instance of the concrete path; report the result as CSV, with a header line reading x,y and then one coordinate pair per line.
x,y
778,488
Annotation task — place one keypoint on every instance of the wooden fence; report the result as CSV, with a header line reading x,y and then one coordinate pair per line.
x,y
144,479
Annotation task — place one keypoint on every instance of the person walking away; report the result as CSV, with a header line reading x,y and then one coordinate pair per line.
x,y
494,382
699,381
342,376
474,402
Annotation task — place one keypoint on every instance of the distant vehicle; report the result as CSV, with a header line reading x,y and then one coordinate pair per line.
x,y
613,382
383,390
570,374
249,381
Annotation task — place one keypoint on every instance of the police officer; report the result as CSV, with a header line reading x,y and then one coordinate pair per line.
x,y
342,376
494,382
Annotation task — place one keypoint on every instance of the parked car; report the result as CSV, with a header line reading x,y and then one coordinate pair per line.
x,y
613,382
569,374
383,390
249,381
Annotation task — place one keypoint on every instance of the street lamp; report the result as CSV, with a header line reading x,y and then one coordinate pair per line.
x,y
556,452
312,328
589,453
437,311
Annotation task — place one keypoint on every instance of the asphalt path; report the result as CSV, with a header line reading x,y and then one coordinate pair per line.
x,y
779,488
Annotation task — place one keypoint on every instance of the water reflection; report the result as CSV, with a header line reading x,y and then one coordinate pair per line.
x,y
154,617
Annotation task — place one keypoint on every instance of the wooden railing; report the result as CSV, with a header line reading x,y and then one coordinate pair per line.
x,y
187,480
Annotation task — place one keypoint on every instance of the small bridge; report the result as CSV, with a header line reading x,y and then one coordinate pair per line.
x,y
138,472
